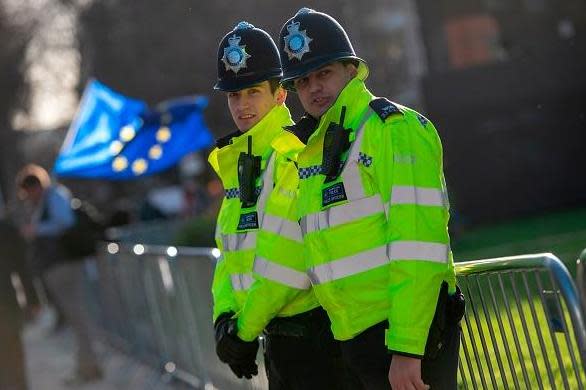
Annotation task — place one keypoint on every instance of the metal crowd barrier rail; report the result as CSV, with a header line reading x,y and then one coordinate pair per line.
x,y
581,278
523,327
156,302
153,232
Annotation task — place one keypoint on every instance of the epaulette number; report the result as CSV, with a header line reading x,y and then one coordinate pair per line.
x,y
384,108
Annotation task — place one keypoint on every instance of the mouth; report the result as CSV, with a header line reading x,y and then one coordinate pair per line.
x,y
246,117
320,100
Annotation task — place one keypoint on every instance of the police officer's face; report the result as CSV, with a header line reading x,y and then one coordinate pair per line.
x,y
249,105
319,89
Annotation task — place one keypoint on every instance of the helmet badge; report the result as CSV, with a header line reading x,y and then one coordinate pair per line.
x,y
296,42
235,56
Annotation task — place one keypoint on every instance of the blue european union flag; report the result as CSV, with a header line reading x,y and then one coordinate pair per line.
x,y
116,137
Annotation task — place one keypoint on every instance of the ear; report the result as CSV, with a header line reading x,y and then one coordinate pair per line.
x,y
281,95
352,70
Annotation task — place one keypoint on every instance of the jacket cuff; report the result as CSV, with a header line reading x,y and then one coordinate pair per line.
x,y
406,341
220,310
245,333
420,357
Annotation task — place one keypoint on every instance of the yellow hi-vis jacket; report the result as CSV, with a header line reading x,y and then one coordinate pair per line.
x,y
261,273
376,238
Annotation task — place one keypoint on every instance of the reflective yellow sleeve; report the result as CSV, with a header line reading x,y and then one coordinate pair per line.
x,y
222,291
409,168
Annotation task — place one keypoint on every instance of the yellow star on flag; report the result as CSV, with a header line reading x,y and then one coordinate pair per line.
x,y
163,134
127,133
155,152
139,166
119,164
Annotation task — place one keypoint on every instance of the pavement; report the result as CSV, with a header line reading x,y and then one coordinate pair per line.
x,y
50,359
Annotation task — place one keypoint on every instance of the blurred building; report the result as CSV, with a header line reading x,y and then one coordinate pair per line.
x,y
506,87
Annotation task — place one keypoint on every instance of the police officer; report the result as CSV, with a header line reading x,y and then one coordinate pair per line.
x,y
260,283
374,214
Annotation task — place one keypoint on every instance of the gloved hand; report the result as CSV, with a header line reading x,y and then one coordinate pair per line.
x,y
240,355
246,370
221,324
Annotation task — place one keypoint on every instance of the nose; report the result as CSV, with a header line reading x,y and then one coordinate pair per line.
x,y
314,85
243,103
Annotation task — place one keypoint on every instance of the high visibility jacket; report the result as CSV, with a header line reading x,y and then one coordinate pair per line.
x,y
376,239
261,273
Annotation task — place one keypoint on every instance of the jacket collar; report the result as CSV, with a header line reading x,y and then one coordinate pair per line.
x,y
355,97
224,160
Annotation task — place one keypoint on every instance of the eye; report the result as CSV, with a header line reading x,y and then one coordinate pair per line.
x,y
300,82
232,94
324,72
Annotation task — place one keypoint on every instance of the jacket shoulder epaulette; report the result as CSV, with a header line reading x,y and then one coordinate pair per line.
x,y
384,108
226,140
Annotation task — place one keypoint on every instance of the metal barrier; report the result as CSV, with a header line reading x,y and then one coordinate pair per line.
x,y
156,303
523,327
153,232
581,278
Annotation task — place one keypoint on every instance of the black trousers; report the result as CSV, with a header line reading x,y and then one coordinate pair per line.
x,y
301,353
368,358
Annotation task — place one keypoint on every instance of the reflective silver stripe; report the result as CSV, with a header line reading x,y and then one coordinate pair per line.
x,y
342,214
350,174
367,260
420,196
281,274
282,227
347,266
445,193
239,241
419,250
267,187
241,281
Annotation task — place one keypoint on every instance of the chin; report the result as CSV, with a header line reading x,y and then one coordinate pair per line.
x,y
318,113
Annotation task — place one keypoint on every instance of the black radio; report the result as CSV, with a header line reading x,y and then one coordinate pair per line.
x,y
248,172
336,143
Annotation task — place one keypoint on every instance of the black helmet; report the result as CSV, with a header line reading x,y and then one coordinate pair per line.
x,y
310,40
246,56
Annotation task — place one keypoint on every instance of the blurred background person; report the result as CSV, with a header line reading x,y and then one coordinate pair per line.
x,y
31,182
51,217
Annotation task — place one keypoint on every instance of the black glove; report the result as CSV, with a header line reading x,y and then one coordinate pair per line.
x,y
221,324
240,355
244,370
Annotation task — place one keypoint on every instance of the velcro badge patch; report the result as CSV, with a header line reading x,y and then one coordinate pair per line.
x,y
333,194
248,221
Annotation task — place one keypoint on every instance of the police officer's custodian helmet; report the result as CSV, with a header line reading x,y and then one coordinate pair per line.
x,y
310,40
246,56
